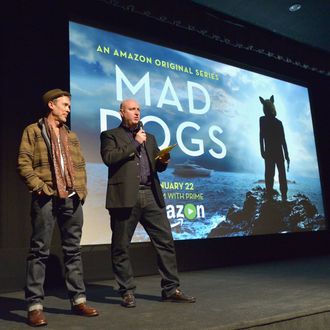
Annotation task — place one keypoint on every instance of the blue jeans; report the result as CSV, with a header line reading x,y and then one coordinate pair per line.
x,y
154,220
45,212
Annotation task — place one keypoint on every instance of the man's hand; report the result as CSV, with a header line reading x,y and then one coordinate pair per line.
x,y
141,136
165,158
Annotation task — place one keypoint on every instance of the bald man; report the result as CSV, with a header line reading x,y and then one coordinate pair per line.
x,y
134,195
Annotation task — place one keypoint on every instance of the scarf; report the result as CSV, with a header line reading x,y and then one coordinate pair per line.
x,y
63,168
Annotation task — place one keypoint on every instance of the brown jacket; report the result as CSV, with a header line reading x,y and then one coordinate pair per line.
x,y
35,163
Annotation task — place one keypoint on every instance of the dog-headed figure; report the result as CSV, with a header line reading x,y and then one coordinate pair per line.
x,y
273,147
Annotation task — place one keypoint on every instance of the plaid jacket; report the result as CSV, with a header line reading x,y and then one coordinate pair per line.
x,y
35,164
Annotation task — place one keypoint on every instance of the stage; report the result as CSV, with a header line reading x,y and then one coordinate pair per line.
x,y
289,294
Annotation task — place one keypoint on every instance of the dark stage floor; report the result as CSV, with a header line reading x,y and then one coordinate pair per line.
x,y
291,294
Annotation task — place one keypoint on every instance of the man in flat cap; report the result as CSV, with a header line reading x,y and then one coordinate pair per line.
x,y
52,166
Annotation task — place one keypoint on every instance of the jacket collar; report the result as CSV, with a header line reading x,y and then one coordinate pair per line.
x,y
41,122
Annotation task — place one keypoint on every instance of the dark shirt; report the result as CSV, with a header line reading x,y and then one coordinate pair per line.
x,y
143,163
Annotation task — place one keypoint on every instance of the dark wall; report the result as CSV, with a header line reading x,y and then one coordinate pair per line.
x,y
35,58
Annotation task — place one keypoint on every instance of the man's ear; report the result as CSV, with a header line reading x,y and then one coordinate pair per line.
x,y
272,99
50,105
261,100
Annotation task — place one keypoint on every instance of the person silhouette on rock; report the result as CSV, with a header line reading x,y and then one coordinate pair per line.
x,y
273,148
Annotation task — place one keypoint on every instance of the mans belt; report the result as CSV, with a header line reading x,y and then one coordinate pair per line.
x,y
144,187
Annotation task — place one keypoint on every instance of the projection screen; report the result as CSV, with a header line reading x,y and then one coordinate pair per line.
x,y
215,183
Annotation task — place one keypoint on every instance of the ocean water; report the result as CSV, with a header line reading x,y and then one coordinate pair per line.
x,y
223,189
214,195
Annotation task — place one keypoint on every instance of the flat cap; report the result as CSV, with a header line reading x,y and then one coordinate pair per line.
x,y
54,94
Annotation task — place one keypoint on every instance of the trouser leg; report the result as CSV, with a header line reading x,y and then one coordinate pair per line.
x,y
269,175
282,178
43,220
156,224
123,223
70,220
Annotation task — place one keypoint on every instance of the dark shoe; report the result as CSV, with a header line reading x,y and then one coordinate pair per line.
x,y
128,300
179,297
36,318
84,310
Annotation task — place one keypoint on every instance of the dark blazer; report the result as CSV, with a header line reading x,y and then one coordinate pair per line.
x,y
121,157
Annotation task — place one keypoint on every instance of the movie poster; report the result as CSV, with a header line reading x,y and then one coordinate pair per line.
x,y
215,184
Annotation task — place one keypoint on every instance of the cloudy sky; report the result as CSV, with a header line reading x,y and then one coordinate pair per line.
x,y
228,125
